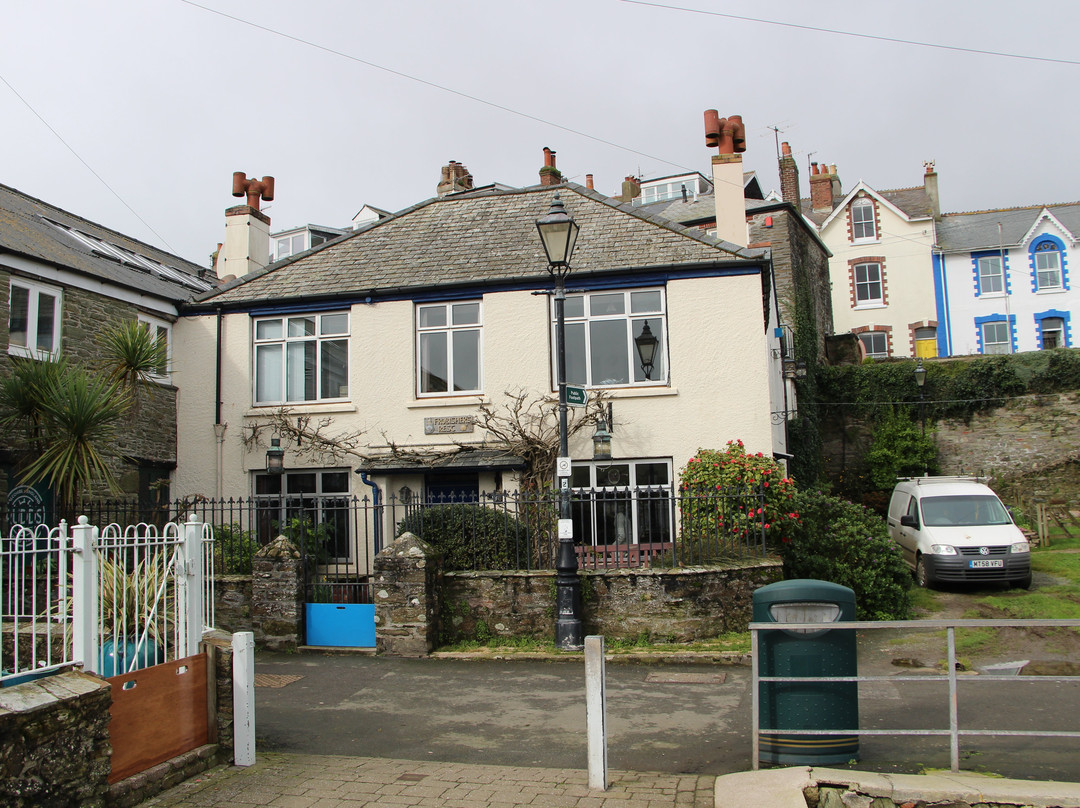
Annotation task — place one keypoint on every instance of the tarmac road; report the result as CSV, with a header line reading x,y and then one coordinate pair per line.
x,y
675,718
511,713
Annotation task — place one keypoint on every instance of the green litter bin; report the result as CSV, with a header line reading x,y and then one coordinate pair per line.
x,y
805,652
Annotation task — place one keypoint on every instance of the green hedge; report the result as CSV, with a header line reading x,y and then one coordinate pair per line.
x,y
839,541
471,536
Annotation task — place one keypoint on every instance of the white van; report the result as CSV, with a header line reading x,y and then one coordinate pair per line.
x,y
955,529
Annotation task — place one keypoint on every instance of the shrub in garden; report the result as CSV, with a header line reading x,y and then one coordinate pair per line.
x,y
729,496
234,549
839,541
471,536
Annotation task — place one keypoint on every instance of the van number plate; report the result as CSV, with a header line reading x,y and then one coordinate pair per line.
x,y
984,563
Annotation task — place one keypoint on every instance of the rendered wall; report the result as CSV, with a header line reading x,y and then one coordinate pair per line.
x,y
718,390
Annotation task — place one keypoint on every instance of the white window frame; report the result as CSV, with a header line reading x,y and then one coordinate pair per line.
x,y
872,334
284,505
264,346
655,317
868,285
604,492
451,330
997,278
999,347
163,330
1041,269
862,222
34,291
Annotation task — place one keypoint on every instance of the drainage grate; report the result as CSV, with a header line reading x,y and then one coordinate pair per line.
x,y
275,679
673,678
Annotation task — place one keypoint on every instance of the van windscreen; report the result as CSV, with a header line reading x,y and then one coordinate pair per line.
x,y
964,510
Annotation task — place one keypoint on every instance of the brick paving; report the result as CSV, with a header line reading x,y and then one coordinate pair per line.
x,y
284,780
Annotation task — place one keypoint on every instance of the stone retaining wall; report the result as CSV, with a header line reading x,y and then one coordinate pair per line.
x,y
681,605
54,742
232,603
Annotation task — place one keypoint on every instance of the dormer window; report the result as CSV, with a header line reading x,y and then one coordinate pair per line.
x,y
1047,266
863,226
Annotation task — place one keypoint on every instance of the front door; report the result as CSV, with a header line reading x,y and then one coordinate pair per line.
x,y
452,486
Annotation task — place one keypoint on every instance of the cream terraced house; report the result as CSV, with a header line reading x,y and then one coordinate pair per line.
x,y
397,333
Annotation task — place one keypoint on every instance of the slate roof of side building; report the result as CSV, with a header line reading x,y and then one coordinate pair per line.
x,y
978,230
28,228
915,202
476,238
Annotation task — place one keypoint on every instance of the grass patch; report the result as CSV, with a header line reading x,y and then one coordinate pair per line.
x,y
525,644
925,600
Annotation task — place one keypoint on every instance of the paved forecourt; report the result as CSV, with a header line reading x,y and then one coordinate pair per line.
x,y
317,781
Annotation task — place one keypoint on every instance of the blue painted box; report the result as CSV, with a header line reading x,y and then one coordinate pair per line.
x,y
341,625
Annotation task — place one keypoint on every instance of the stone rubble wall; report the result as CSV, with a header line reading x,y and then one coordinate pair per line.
x,y
54,742
277,592
680,605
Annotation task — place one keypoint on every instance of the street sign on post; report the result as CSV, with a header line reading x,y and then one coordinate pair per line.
x,y
575,396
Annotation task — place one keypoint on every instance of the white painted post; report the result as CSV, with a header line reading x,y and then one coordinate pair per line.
x,y
596,711
192,587
243,648
85,643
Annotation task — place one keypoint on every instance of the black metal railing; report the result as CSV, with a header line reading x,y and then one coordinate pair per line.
x,y
613,527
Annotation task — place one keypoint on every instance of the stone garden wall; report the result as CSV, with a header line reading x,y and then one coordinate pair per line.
x,y
678,605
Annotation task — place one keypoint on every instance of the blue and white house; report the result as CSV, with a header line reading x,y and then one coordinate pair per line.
x,y
1004,280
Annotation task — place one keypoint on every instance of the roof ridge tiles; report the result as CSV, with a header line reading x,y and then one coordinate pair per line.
x,y
1007,210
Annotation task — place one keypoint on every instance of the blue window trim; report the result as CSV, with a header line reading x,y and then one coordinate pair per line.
x,y
996,318
1004,256
1062,257
1053,313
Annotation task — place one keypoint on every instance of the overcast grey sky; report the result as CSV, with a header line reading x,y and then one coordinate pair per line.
x,y
347,103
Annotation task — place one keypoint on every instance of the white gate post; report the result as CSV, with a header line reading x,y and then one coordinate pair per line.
x,y
596,711
84,596
192,587
243,648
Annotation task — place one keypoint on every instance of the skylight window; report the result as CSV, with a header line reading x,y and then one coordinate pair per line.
x,y
132,259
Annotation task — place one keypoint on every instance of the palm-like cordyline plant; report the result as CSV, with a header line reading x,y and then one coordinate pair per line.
x,y
133,353
78,417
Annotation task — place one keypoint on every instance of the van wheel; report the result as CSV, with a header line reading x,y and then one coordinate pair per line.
x,y
922,578
1023,583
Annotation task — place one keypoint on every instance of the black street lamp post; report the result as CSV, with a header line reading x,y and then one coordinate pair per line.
x,y
558,233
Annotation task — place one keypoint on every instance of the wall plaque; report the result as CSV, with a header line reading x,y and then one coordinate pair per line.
x,y
451,424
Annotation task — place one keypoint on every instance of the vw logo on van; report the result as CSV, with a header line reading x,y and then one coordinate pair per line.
x,y
984,551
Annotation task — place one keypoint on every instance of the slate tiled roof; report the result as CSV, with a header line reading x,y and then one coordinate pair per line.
x,y
25,230
915,202
978,230
465,458
480,237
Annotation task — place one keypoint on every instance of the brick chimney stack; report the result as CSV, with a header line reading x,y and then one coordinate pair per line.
x,y
247,229
455,177
823,187
549,174
789,176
